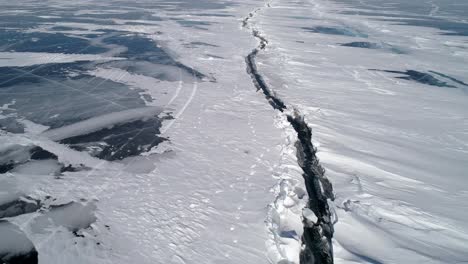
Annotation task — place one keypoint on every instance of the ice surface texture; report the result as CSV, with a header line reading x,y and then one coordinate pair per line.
x,y
214,176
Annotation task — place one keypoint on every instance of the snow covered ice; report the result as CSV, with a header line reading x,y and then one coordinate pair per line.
x,y
179,131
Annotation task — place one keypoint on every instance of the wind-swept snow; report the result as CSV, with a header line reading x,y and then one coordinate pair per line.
x,y
104,121
393,143
22,59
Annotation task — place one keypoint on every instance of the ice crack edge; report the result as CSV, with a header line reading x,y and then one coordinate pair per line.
x,y
318,218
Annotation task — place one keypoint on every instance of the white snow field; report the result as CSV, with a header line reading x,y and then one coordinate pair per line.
x,y
224,186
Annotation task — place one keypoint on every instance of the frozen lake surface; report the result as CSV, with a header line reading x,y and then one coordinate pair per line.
x,y
162,131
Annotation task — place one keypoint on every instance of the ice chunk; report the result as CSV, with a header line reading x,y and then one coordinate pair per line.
x,y
289,202
309,215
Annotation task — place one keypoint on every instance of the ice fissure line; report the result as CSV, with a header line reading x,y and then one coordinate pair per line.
x,y
317,236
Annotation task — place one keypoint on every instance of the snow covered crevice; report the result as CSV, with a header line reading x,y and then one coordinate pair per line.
x,y
317,216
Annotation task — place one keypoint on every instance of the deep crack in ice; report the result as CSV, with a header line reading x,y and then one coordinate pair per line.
x,y
317,237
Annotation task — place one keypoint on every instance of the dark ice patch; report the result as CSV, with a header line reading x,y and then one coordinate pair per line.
x,y
45,42
19,21
27,21
370,45
139,23
27,258
289,234
9,76
192,23
450,28
62,28
404,8
145,68
11,125
449,78
364,45
381,14
417,16
73,168
129,15
6,167
199,43
421,77
300,17
213,15
141,48
187,5
168,5
214,56
45,95
38,153
22,205
119,141
367,259
335,31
